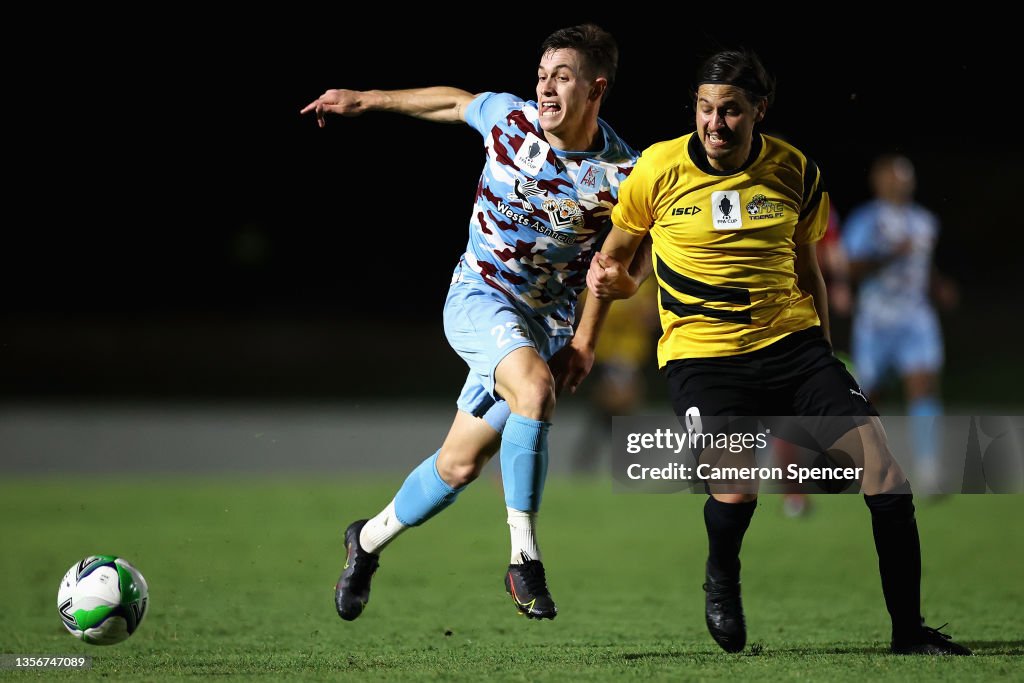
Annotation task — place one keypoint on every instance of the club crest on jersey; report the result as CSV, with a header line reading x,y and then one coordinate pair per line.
x,y
523,190
590,177
532,154
725,210
760,208
564,213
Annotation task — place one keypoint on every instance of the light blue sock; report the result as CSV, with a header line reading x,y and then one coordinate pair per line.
x,y
925,428
524,462
423,494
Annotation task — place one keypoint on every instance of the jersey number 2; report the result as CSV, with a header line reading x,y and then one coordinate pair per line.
x,y
514,333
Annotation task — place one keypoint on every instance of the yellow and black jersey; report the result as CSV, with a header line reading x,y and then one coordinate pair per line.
x,y
724,243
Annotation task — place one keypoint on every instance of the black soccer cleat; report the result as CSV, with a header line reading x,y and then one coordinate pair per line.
x,y
723,612
929,641
352,591
529,589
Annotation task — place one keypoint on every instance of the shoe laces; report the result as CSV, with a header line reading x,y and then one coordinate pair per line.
x,y
532,573
721,594
936,633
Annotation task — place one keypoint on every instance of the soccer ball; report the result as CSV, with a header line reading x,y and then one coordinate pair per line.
x,y
102,599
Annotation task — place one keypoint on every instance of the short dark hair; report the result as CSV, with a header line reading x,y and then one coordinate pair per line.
x,y
596,46
741,69
889,159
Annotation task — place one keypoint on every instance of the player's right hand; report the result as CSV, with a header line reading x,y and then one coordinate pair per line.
x,y
343,102
570,365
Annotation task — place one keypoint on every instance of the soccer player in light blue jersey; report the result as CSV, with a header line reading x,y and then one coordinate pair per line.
x,y
890,242
544,200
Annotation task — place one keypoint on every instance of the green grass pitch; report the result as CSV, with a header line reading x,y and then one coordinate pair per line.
x,y
242,572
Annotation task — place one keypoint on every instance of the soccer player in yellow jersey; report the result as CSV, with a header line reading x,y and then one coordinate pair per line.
x,y
734,216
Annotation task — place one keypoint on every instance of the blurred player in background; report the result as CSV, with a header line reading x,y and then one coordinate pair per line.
x,y
734,216
617,385
544,199
890,242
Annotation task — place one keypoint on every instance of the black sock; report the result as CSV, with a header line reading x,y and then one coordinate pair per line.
x,y
899,559
726,523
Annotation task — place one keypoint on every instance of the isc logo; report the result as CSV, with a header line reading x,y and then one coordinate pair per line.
x,y
686,211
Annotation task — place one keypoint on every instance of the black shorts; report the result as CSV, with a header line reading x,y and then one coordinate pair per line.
x,y
795,376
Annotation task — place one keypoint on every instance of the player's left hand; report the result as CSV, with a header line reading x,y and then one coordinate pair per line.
x,y
609,278
570,366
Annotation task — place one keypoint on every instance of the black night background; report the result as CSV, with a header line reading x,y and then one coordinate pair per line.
x,y
182,230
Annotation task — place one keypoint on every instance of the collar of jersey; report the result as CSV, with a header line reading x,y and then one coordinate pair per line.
x,y
566,154
700,159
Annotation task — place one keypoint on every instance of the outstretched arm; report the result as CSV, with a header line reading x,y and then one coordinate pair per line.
x,y
441,104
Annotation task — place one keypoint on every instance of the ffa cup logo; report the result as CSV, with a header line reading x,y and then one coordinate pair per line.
x,y
532,154
725,210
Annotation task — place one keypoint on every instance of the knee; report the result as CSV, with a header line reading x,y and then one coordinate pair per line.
x,y
458,471
882,473
534,398
920,386
893,479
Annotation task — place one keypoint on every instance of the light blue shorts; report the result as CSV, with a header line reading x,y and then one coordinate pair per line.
x,y
484,326
909,343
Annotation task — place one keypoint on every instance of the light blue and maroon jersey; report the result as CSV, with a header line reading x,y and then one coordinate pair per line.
x,y
539,211
877,230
